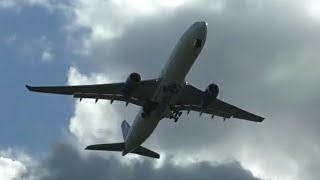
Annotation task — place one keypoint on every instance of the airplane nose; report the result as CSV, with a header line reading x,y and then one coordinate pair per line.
x,y
202,24
201,27
197,31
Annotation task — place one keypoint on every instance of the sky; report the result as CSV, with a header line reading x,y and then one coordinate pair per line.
x,y
264,55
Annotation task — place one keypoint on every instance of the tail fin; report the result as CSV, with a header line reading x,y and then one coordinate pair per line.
x,y
125,127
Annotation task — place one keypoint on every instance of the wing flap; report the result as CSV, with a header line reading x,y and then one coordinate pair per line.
x,y
200,109
235,111
113,97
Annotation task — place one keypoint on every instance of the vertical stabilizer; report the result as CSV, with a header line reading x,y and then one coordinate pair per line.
x,y
125,127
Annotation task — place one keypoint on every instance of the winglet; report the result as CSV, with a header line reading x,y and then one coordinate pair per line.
x,y
29,87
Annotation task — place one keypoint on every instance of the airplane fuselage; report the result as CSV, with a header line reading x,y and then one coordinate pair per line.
x,y
172,80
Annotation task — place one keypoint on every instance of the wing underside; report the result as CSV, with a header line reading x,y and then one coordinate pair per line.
x,y
114,91
191,99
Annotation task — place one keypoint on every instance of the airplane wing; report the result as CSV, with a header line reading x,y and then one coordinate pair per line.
x,y
191,98
114,91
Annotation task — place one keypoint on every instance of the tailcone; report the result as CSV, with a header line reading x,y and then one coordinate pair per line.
x,y
125,152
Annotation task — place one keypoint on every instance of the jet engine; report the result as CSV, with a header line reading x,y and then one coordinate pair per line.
x,y
209,95
131,83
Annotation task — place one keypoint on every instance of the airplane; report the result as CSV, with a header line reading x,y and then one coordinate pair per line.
x,y
164,97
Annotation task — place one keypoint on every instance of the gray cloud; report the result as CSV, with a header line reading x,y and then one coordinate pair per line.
x,y
245,47
263,56
65,162
255,51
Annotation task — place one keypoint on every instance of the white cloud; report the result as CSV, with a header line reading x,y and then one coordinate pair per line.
x,y
10,169
46,45
46,55
108,20
7,4
313,9
51,6
36,49
13,164
93,122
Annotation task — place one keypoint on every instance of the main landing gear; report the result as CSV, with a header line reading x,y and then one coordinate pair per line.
x,y
175,115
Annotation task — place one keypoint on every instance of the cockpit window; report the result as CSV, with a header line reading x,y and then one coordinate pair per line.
x,y
197,43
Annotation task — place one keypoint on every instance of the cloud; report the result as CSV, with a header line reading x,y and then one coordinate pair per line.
x,y
5,4
93,122
46,45
13,164
36,49
10,169
121,15
65,162
9,40
262,54
46,55
17,5
313,9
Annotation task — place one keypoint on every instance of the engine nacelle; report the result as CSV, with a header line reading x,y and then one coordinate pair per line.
x,y
131,83
209,95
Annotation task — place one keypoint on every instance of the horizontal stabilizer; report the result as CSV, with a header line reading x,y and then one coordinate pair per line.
x,y
146,152
29,87
120,147
107,147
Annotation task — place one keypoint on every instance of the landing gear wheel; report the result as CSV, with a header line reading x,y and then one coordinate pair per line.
x,y
175,115
176,119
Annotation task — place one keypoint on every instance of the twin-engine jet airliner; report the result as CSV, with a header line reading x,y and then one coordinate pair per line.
x,y
164,97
